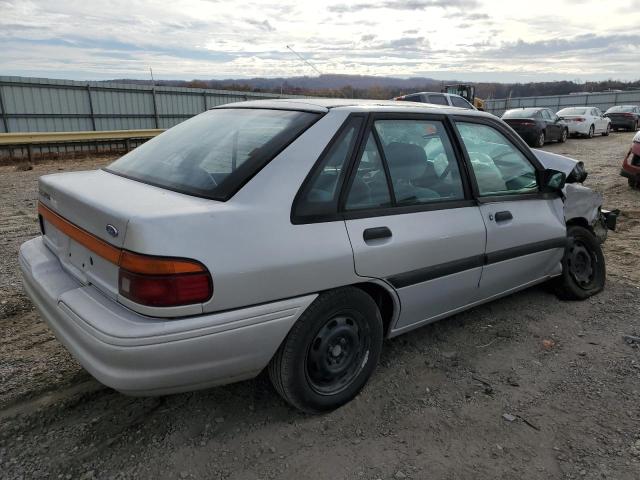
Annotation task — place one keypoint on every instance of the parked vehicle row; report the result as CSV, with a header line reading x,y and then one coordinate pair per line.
x,y
294,235
539,125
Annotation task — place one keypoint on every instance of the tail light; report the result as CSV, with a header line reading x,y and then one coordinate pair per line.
x,y
144,279
163,282
580,119
628,114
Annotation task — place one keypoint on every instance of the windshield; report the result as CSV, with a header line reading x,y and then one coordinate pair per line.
x,y
521,113
622,109
213,154
573,111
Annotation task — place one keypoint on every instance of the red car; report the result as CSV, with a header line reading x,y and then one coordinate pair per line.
x,y
631,164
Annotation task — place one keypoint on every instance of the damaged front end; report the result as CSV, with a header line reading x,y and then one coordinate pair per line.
x,y
582,205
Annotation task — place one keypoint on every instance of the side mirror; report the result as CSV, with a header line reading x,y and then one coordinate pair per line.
x,y
553,180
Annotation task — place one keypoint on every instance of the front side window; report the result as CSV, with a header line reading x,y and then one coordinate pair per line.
x,y
422,165
214,153
499,167
320,195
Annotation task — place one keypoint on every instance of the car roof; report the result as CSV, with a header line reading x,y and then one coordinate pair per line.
x,y
323,105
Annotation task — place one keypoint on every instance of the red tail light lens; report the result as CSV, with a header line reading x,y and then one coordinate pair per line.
x,y
165,290
580,119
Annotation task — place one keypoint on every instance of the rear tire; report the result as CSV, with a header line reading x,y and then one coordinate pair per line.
x,y
564,136
583,266
592,129
330,352
539,143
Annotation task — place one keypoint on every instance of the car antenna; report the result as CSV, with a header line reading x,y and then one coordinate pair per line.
x,y
308,63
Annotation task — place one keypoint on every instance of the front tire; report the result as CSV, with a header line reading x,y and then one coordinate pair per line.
x,y
330,352
583,266
607,131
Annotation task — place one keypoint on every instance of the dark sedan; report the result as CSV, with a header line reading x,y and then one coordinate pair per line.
x,y
537,126
625,117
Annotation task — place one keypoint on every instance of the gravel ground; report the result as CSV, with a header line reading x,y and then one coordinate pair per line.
x,y
525,387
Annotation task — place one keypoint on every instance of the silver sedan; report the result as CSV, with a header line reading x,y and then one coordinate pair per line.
x,y
296,236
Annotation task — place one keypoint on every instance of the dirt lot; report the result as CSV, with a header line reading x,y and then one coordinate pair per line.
x,y
434,408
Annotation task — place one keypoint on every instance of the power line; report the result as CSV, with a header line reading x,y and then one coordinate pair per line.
x,y
304,60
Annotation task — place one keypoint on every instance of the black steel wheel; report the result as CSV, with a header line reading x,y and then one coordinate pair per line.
x,y
330,352
583,266
336,353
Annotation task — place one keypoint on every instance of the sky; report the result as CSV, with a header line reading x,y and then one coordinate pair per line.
x,y
472,40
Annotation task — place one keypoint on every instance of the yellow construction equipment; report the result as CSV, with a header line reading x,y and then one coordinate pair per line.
x,y
468,92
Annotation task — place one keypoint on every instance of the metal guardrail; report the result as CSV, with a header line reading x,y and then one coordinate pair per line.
x,y
26,138
31,145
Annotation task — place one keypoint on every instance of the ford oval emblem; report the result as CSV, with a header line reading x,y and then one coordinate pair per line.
x,y
111,230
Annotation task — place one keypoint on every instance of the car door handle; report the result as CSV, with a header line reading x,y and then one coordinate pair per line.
x,y
376,233
503,216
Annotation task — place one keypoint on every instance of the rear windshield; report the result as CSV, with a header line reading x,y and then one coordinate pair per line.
x,y
213,154
573,111
621,109
522,113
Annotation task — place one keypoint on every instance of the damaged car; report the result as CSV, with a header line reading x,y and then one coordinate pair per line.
x,y
631,163
295,236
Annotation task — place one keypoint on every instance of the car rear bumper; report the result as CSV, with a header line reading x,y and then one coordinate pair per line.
x,y
141,355
629,124
578,128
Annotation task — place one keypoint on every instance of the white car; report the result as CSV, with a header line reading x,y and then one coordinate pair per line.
x,y
585,121
296,235
437,98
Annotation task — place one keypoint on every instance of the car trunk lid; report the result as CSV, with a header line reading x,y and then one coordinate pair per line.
x,y
85,218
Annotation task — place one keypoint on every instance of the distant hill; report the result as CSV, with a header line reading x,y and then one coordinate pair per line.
x,y
368,86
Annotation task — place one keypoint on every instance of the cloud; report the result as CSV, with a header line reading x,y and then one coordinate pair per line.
x,y
403,5
264,25
233,39
579,43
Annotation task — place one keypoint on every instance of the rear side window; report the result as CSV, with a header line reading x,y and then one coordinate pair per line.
x,y
369,188
499,167
213,154
411,98
437,99
461,102
319,196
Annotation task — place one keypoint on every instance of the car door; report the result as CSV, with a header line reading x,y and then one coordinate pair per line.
x,y
526,232
411,219
553,129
